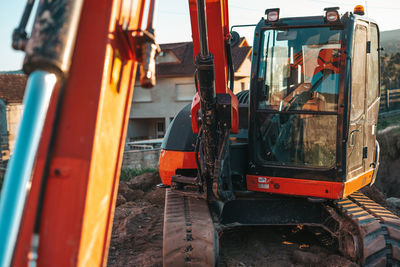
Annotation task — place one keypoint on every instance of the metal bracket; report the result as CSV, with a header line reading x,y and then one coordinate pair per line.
x,y
352,141
187,186
138,45
368,47
131,42
365,152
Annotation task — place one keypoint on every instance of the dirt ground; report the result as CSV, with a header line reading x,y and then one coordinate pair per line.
x,y
138,223
138,226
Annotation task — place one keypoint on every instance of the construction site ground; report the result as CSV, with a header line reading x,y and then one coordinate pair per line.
x,y
138,225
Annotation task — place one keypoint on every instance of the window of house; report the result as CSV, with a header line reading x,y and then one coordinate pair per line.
x,y
185,92
141,95
160,129
166,57
160,126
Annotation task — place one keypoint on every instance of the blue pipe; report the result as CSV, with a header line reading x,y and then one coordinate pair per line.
x,y
19,172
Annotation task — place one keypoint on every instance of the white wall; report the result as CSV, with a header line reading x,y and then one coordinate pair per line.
x,y
166,99
158,105
14,116
163,103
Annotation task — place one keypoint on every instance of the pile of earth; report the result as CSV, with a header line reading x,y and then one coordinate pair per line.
x,y
388,180
138,225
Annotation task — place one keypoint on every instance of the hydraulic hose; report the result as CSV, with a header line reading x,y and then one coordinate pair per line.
x,y
17,179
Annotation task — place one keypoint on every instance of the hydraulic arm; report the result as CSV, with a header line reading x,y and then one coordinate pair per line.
x,y
214,109
59,194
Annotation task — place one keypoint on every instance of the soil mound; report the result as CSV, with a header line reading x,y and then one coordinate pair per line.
x,y
388,180
138,231
138,222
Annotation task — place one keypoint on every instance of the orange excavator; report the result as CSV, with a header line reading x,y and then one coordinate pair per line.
x,y
295,149
296,153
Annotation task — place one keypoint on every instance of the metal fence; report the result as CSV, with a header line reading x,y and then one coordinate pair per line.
x,y
390,100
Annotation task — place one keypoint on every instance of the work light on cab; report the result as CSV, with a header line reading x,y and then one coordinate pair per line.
x,y
359,10
272,14
331,14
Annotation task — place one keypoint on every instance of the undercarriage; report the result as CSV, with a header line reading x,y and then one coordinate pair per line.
x,y
359,228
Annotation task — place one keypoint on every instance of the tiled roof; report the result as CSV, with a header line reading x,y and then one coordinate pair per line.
x,y
184,52
12,87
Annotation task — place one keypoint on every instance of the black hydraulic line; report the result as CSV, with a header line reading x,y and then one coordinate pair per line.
x,y
19,36
202,22
199,164
230,65
205,76
151,16
218,162
26,14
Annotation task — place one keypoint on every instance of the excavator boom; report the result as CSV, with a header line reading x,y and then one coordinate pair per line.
x,y
91,59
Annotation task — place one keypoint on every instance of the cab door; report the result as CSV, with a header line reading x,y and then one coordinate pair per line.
x,y
357,105
372,97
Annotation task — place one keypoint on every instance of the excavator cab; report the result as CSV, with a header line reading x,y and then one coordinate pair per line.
x,y
308,123
305,146
314,102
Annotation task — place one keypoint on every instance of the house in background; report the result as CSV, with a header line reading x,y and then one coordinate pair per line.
x,y
153,110
12,88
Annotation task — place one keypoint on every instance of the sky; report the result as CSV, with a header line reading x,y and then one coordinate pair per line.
x,y
173,21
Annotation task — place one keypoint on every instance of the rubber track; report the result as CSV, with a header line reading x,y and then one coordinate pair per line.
x,y
379,230
189,237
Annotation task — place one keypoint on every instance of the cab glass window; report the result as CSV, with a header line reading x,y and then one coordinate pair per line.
x,y
300,68
373,66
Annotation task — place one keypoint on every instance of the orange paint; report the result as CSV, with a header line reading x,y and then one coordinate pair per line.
x,y
303,187
357,183
27,224
218,36
194,113
170,161
87,153
218,29
298,187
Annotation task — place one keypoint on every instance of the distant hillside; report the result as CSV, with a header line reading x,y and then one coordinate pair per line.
x,y
390,41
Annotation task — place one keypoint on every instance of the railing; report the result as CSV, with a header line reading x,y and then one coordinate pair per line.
x,y
150,144
138,147
390,100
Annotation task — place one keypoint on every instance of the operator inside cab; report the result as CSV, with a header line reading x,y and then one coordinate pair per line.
x,y
300,70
